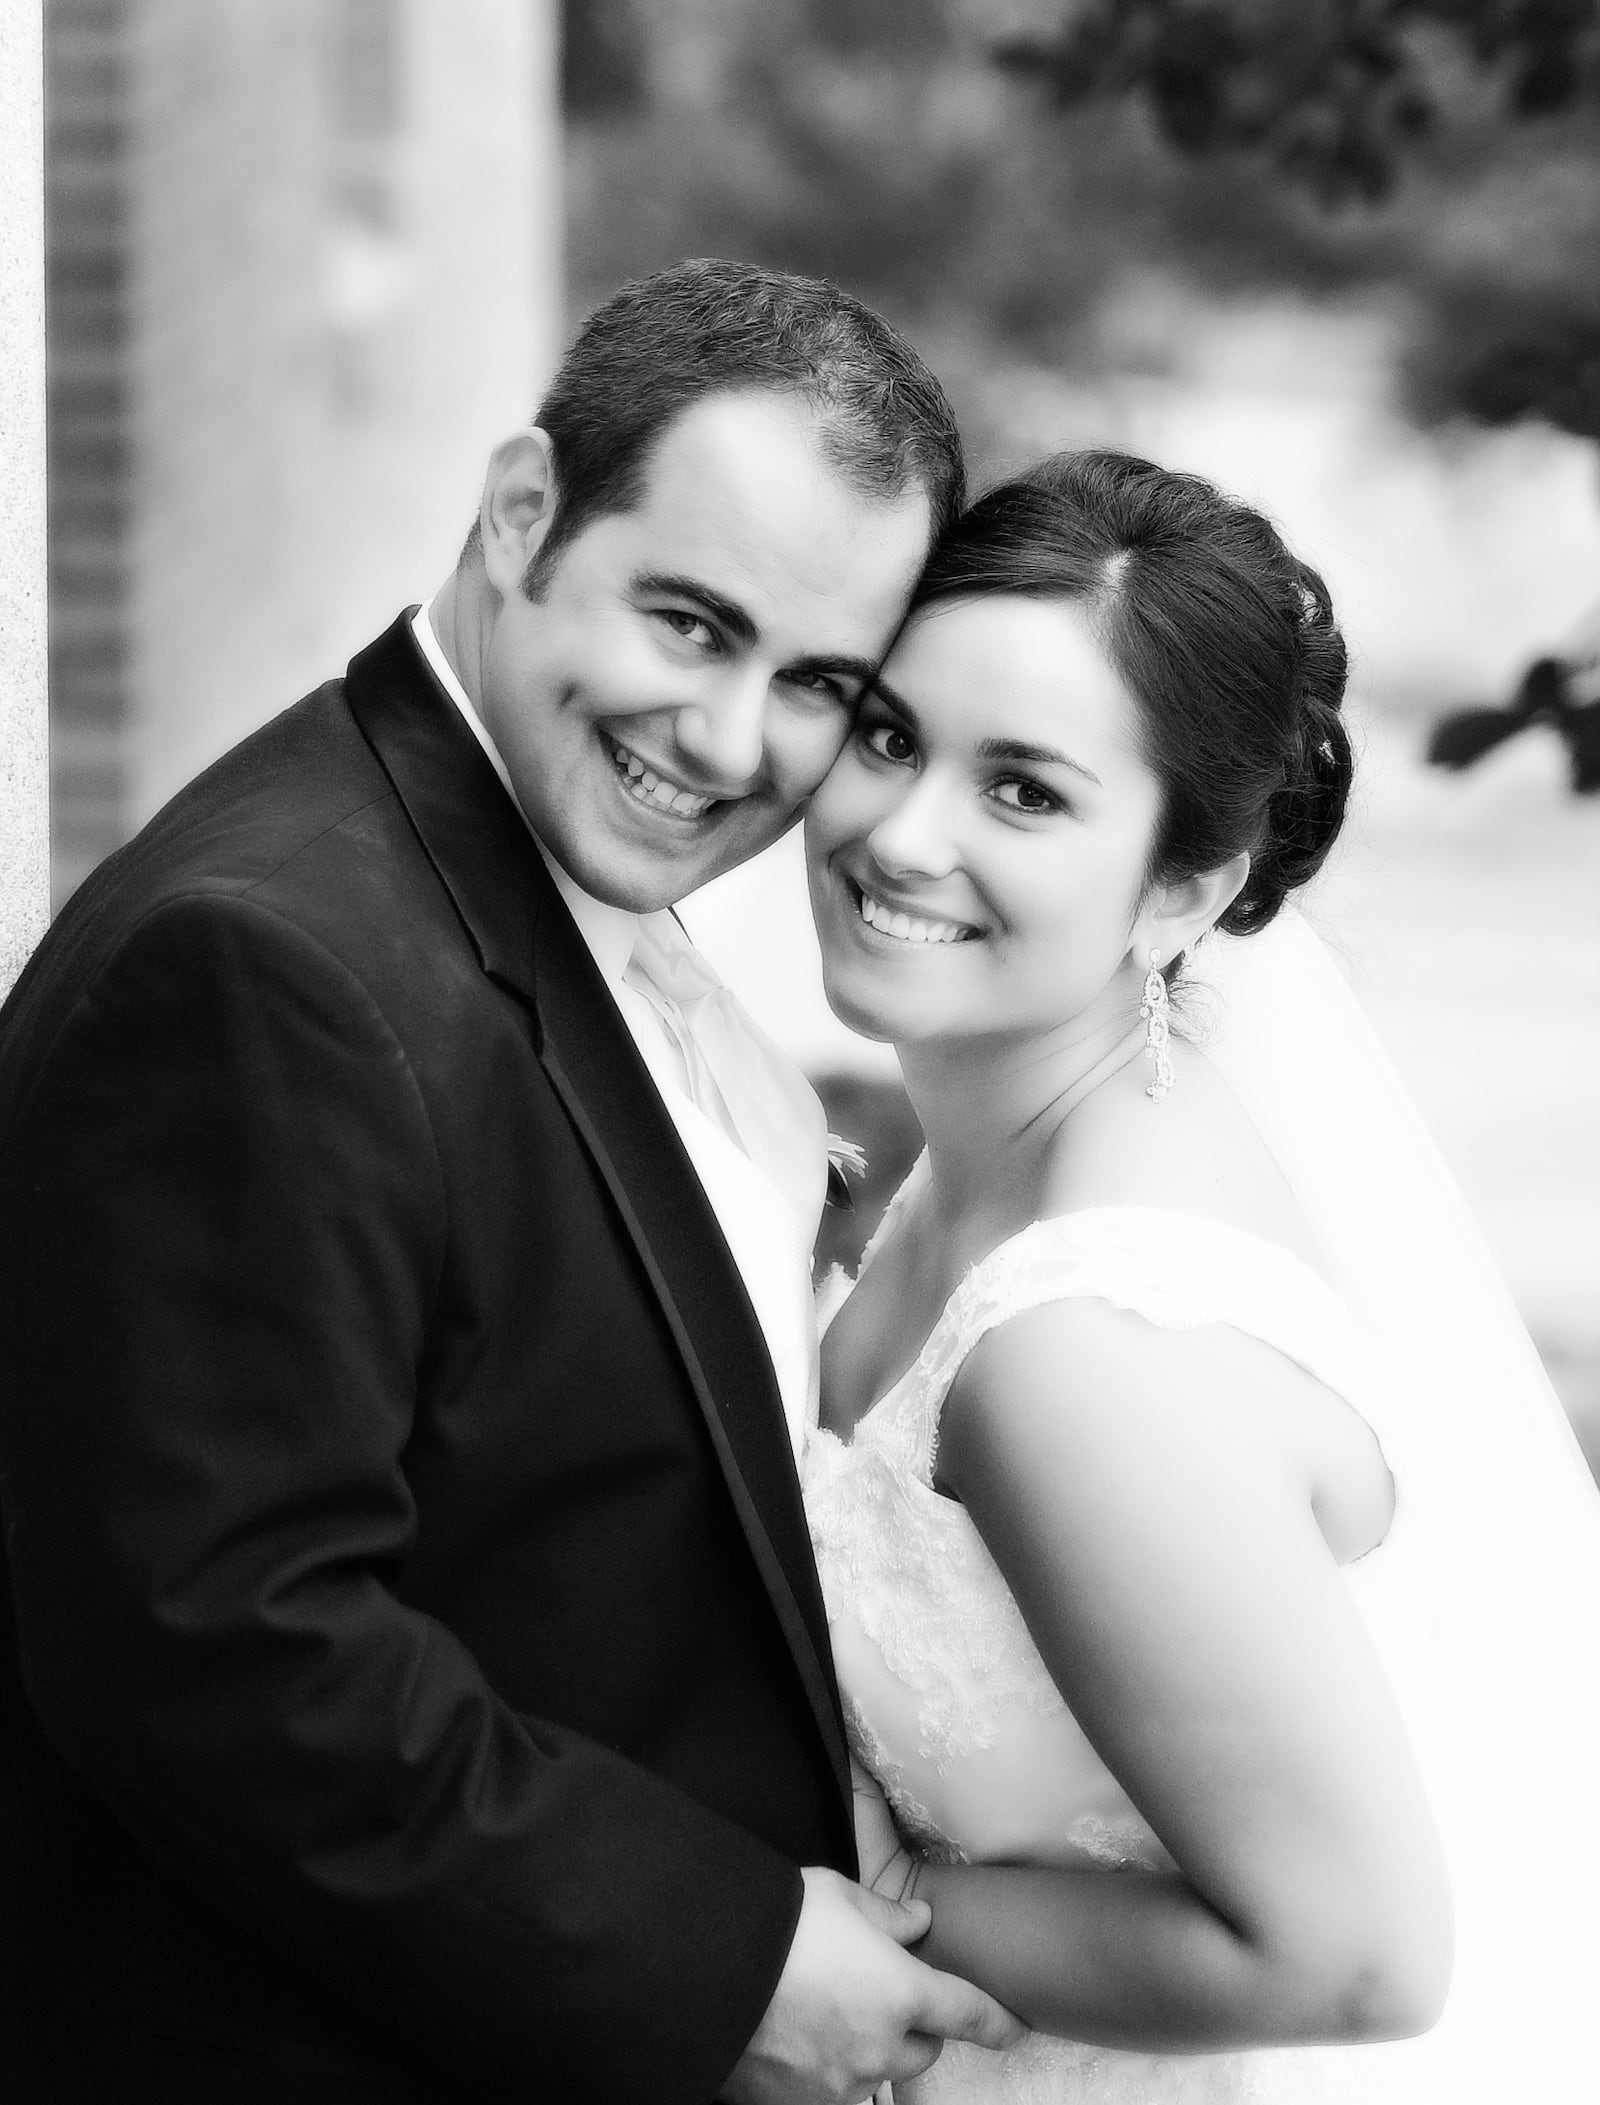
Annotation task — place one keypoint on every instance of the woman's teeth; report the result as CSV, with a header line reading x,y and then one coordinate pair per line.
x,y
646,787
906,929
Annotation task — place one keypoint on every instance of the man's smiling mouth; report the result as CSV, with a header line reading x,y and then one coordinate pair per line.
x,y
908,928
646,787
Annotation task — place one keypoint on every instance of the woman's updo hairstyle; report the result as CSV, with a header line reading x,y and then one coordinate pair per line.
x,y
1225,640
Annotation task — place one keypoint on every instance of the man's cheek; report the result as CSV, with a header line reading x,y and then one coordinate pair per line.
x,y
816,757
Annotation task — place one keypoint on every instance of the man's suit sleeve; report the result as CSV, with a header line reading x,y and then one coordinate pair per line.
x,y
232,1224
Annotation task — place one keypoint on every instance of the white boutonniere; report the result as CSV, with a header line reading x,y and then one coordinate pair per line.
x,y
845,1160
844,1155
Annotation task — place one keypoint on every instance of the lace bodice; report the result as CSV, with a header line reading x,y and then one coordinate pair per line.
x,y
948,1700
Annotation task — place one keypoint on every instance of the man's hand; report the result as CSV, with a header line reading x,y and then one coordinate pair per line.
x,y
852,2009
887,1867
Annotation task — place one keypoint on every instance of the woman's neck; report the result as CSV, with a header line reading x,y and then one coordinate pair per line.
x,y
995,1116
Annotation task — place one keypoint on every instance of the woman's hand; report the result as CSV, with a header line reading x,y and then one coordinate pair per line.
x,y
887,1866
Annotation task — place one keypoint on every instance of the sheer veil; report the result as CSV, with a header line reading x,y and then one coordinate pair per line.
x,y
1497,1517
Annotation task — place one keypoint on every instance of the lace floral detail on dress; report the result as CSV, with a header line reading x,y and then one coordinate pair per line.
x,y
915,1822
905,1570
947,1699
1116,1845
906,1566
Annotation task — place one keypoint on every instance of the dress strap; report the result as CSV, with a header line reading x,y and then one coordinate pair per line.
x,y
911,1184
1177,1271
835,1287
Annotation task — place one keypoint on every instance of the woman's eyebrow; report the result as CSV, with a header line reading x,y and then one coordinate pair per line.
x,y
1036,756
878,685
1016,750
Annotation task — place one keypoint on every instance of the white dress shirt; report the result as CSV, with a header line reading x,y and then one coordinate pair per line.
x,y
751,1124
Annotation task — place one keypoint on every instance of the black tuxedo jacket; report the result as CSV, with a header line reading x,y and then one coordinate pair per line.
x,y
416,1682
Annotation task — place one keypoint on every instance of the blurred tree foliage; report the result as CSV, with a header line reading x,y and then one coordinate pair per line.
x,y
1004,168
1333,95
1340,98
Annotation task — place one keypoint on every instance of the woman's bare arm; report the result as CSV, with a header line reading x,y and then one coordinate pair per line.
x,y
1148,1496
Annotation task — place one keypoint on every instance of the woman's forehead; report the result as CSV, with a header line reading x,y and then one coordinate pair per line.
x,y
1010,666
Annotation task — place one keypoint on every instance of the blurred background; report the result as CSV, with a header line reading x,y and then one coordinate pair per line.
x,y
309,258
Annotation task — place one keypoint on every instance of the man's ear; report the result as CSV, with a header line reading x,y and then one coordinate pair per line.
x,y
1175,916
519,502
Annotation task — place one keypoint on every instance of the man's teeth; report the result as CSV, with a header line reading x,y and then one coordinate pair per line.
x,y
646,787
878,916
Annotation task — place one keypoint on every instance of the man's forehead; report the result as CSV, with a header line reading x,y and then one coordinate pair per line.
x,y
752,512
767,444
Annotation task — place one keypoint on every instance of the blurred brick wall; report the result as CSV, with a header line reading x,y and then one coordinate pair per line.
x,y
86,273
304,265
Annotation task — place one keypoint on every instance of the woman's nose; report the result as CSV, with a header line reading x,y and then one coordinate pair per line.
x,y
917,837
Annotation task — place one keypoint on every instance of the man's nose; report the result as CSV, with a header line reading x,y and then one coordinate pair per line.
x,y
722,734
918,837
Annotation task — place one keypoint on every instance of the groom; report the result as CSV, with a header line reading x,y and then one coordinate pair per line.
x,y
416,1686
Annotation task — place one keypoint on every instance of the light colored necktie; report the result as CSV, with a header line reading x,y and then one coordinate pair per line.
x,y
731,1070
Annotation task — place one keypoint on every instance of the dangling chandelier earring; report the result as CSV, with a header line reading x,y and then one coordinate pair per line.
x,y
1156,1009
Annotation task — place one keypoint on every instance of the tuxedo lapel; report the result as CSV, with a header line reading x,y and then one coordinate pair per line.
x,y
611,1098
527,941
469,828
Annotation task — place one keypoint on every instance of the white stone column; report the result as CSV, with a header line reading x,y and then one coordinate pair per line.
x,y
24,750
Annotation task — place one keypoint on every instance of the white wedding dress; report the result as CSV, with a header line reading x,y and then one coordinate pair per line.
x,y
1489,1574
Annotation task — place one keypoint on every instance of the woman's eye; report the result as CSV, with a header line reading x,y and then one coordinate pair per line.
x,y
889,742
1032,798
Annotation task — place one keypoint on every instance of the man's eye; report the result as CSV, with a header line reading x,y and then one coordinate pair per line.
x,y
824,686
889,742
693,628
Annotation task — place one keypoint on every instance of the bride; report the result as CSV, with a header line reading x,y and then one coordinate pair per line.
x,y
1201,1547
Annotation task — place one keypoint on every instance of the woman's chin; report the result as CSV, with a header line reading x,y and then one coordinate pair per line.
x,y
867,1024
863,1015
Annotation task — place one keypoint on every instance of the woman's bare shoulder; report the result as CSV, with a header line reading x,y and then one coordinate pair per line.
x,y
1196,1152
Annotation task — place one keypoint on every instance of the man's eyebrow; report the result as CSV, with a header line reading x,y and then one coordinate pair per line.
x,y
669,584
1013,749
863,671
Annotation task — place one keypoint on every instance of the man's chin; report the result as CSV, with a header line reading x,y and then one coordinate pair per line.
x,y
643,867
644,882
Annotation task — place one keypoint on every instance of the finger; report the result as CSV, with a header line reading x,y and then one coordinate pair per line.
x,y
903,1920
914,2055
955,2009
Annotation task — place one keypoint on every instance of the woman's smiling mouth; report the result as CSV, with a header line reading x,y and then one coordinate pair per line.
x,y
901,927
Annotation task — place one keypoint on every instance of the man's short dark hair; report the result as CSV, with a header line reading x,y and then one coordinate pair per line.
x,y
665,342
